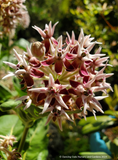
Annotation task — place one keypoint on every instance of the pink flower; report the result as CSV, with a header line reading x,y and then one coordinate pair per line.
x,y
47,34
56,114
23,71
26,101
52,91
57,56
33,61
48,31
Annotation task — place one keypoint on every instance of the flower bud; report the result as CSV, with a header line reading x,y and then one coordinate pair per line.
x,y
38,50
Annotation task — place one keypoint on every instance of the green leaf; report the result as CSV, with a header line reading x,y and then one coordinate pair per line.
x,y
5,93
114,148
110,112
17,87
25,117
95,155
92,125
3,156
10,104
116,141
10,124
23,43
37,141
43,155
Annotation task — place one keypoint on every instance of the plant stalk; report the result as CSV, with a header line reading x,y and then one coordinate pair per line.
x,y
22,141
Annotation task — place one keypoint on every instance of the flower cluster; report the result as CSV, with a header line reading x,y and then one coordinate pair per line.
x,y
5,142
12,13
67,72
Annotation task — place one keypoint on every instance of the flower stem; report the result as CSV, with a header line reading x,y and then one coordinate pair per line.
x,y
22,141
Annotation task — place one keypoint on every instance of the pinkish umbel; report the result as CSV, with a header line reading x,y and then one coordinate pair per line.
x,y
68,73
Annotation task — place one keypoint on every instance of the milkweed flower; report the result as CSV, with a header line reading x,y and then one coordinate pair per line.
x,y
68,74
6,142
13,13
23,71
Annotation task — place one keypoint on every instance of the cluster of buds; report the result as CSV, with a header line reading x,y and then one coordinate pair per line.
x,y
5,142
67,73
12,13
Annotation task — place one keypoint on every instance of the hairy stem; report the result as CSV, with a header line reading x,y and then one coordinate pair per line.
x,y
22,141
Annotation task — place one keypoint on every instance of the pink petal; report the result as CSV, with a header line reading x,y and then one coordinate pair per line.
x,y
85,79
50,29
81,35
48,119
51,80
74,83
73,37
22,98
63,91
46,44
53,101
72,91
94,100
57,81
47,103
10,64
58,66
34,62
86,106
28,104
55,42
17,56
67,116
41,96
68,65
70,56
98,50
76,63
68,38
96,107
53,28
39,90
8,75
83,70
29,80
20,71
36,73
87,62
60,101
60,123
100,60
90,47
79,102
89,83
41,32
20,105
60,42
48,62
66,98
46,83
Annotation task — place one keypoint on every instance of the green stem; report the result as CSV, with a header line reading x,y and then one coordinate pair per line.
x,y
22,141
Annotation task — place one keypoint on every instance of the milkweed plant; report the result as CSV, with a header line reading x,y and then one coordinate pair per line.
x,y
68,75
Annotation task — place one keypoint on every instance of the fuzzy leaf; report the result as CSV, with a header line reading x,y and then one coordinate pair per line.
x,y
10,124
92,125
5,93
43,155
17,87
10,104
37,141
